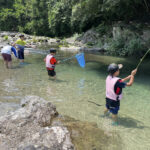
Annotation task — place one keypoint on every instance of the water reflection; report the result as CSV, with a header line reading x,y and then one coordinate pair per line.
x,y
81,84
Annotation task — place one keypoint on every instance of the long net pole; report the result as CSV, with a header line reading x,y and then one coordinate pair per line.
x,y
142,59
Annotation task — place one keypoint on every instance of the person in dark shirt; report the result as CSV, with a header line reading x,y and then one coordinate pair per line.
x,y
114,86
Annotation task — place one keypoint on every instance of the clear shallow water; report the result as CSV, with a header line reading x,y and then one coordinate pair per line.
x,y
75,87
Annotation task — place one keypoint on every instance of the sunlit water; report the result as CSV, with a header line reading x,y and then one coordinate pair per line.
x,y
77,91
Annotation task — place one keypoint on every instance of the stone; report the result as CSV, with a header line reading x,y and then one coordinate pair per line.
x,y
146,35
30,127
116,32
89,37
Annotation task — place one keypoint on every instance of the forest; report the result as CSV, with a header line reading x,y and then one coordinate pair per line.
x,y
64,18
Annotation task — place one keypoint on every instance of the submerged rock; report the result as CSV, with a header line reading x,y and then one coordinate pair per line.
x,y
29,128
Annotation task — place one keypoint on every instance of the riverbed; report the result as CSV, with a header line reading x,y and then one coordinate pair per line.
x,y
80,93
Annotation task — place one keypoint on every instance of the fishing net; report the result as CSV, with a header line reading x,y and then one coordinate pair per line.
x,y
80,59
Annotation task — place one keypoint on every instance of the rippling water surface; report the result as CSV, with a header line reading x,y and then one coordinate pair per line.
x,y
80,93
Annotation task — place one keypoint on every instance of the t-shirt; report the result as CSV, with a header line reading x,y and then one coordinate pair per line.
x,y
118,86
21,42
8,49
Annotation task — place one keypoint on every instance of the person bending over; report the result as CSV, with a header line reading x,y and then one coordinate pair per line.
x,y
6,54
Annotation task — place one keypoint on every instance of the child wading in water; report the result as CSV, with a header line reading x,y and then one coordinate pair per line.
x,y
114,87
6,54
50,62
20,44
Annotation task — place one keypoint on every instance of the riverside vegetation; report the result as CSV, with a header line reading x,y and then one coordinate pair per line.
x,y
63,18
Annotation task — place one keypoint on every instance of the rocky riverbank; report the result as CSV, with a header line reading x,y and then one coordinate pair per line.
x,y
119,40
11,37
69,44
30,127
36,125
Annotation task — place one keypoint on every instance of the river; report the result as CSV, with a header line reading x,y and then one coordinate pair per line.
x,y
80,93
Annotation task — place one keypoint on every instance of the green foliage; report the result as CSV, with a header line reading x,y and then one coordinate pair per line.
x,y
89,44
59,17
124,47
99,43
6,4
66,17
76,35
124,10
116,47
65,43
39,17
103,28
5,37
34,40
86,14
135,47
7,20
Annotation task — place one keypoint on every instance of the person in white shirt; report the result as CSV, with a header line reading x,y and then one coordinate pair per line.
x,y
6,54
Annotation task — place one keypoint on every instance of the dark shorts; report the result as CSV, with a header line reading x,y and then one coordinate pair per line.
x,y
113,106
51,73
20,54
6,57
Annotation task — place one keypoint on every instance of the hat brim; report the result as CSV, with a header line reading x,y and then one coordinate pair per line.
x,y
120,66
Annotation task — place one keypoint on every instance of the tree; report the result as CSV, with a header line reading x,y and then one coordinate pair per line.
x,y
60,17
86,14
7,20
39,16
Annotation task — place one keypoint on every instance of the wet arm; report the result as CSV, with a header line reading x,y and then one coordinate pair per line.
x,y
130,81
57,62
127,78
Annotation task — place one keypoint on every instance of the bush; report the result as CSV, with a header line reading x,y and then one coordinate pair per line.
x,y
99,43
103,29
85,15
34,40
116,47
124,47
5,37
135,47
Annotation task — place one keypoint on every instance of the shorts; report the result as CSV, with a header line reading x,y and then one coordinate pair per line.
x,y
20,54
51,73
113,106
6,57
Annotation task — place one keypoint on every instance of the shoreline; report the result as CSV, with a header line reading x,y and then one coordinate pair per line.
x,y
70,44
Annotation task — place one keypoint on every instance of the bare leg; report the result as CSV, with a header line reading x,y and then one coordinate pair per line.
x,y
52,78
10,64
106,111
6,64
115,118
21,60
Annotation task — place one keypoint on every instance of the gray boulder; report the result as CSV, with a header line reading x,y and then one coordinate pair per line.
x,y
30,128
90,36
